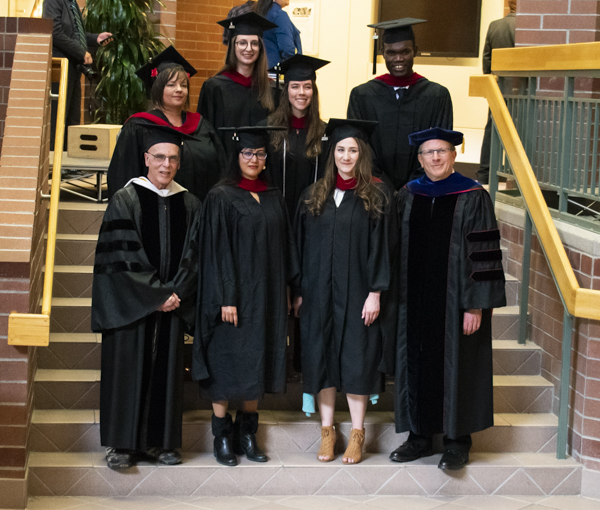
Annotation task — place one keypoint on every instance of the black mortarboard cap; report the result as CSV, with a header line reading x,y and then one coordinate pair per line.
x,y
170,57
340,129
162,134
394,31
252,137
436,133
246,24
299,68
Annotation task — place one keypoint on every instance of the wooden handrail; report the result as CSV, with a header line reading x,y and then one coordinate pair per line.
x,y
584,303
557,57
30,328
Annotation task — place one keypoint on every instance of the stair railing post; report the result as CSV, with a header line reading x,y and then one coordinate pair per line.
x,y
566,138
565,371
525,271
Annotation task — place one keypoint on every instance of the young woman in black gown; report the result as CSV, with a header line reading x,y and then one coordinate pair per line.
x,y
343,238
248,259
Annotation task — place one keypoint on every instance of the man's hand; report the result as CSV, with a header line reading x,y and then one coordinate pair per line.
x,y
229,314
370,311
87,60
471,321
104,38
170,304
296,305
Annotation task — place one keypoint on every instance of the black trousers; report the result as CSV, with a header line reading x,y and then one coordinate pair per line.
x,y
462,443
483,174
72,106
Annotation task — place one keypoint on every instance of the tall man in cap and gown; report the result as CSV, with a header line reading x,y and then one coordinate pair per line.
x,y
402,101
143,300
451,277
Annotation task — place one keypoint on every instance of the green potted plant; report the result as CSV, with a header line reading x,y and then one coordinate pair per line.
x,y
120,91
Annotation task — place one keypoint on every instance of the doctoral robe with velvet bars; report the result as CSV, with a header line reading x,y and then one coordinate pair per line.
x,y
147,249
450,261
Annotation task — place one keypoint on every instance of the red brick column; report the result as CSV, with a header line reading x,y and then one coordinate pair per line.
x,y
199,38
25,120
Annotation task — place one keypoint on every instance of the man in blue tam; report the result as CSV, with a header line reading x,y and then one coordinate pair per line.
x,y
451,267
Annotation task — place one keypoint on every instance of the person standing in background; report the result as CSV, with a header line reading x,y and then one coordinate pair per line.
x,y
71,41
236,11
500,34
282,42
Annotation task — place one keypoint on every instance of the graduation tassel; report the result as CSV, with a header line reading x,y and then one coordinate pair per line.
x,y
462,147
375,39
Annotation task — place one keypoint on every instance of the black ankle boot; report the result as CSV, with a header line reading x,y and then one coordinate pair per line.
x,y
244,438
222,429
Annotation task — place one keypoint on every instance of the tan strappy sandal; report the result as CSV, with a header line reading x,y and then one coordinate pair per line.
x,y
354,450
327,448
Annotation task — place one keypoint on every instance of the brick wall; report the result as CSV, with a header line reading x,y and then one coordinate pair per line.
x,y
23,176
543,22
546,319
199,38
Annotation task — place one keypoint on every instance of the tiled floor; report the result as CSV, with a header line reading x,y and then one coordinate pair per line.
x,y
319,503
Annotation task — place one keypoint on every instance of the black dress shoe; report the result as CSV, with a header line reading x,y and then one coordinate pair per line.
x,y
454,460
118,459
411,450
223,451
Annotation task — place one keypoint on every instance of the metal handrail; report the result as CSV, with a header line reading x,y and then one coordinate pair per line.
x,y
581,58
30,329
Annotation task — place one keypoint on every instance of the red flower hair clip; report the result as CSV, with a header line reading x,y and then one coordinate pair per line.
x,y
154,73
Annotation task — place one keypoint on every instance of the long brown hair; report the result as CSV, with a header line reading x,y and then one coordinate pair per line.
x,y
260,76
282,116
158,87
372,196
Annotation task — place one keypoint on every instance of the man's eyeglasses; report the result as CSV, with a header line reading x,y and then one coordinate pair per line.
x,y
429,154
250,154
160,158
242,45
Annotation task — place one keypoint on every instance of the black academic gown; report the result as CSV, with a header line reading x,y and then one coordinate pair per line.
x,y
294,168
226,103
202,154
423,105
450,261
147,249
248,259
344,254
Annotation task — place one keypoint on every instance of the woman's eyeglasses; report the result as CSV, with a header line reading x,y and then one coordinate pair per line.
x,y
250,154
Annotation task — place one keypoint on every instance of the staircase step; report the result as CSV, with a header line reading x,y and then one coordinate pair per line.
x,y
75,249
71,315
512,288
73,281
86,474
512,358
279,431
505,323
71,350
80,218
80,389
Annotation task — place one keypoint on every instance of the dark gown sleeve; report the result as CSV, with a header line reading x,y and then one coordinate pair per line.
x,y
382,277
218,275
482,282
207,103
126,287
446,119
127,161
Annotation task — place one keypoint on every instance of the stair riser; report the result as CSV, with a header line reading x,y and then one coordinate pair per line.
x,y
85,395
76,253
79,221
299,437
87,356
72,285
273,478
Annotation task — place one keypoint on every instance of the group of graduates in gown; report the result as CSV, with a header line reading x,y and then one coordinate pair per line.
x,y
225,222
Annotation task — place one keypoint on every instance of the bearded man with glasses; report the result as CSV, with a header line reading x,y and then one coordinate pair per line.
x,y
143,301
451,277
